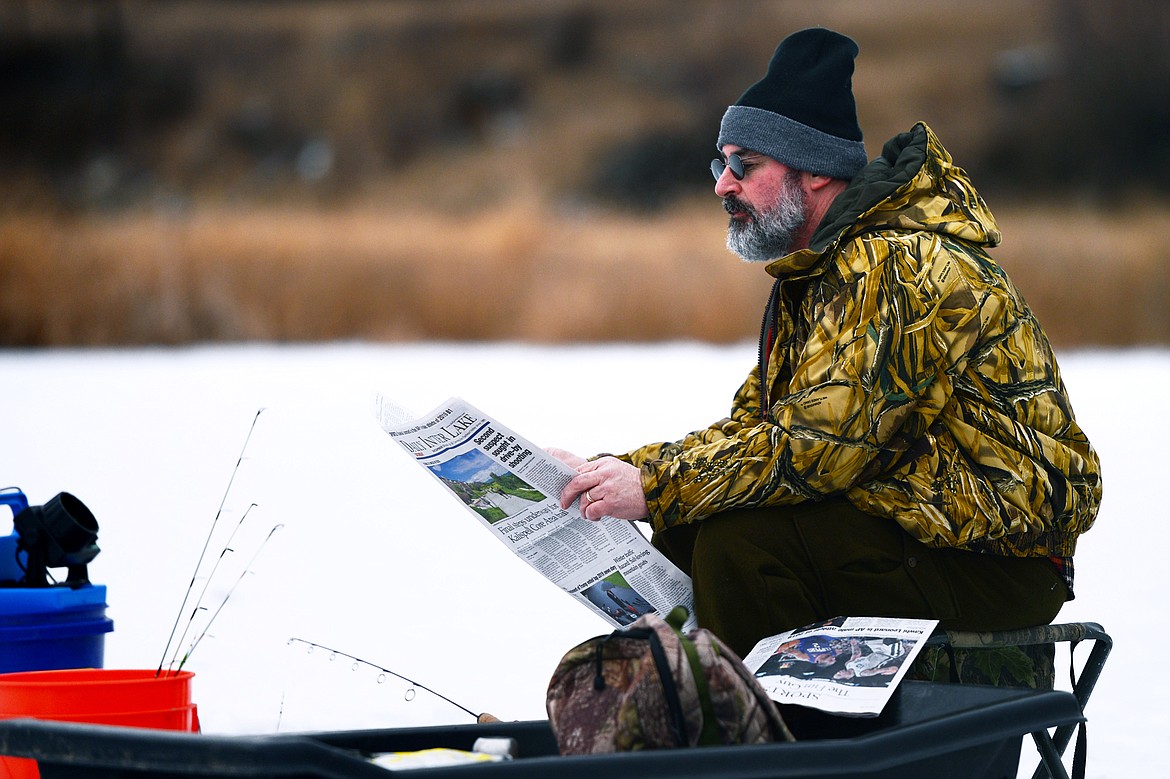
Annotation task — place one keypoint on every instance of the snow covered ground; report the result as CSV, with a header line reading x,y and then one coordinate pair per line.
x,y
373,559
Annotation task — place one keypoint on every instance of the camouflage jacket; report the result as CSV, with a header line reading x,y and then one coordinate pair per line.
x,y
902,370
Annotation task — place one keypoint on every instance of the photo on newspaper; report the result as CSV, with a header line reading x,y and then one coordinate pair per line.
x,y
486,487
513,488
846,665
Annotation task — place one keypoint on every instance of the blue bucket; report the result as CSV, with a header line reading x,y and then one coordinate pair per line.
x,y
47,628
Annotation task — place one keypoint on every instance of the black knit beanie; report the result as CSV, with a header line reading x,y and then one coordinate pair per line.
x,y
801,113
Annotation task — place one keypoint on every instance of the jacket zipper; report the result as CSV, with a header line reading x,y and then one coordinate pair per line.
x,y
765,351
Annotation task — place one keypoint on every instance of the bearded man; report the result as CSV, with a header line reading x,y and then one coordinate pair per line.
x,y
905,446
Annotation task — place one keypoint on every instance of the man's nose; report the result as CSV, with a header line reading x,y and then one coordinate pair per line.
x,y
727,183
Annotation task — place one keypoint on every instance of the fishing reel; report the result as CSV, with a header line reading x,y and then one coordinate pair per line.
x,y
60,534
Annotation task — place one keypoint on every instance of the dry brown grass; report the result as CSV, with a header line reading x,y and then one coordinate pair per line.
x,y
516,272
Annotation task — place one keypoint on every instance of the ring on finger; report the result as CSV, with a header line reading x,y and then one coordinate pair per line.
x,y
589,497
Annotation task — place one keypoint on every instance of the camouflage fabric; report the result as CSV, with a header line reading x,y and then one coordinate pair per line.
x,y
1009,658
906,373
609,694
1009,666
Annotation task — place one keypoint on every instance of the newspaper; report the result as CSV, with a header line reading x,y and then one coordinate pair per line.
x,y
847,665
513,487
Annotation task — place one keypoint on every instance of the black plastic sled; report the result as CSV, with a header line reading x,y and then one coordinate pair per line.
x,y
932,730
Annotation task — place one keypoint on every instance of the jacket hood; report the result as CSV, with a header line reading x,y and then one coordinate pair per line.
x,y
913,185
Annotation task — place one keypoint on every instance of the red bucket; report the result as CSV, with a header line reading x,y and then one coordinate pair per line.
x,y
102,696
182,718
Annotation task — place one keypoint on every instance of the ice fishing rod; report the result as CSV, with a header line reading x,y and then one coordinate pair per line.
x,y
247,570
227,548
206,543
482,717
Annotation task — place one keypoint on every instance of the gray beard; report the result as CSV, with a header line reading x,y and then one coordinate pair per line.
x,y
767,235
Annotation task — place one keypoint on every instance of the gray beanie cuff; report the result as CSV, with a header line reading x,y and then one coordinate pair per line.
x,y
794,144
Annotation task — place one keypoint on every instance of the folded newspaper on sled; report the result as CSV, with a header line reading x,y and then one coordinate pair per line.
x,y
847,665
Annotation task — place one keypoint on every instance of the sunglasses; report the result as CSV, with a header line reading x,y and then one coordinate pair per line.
x,y
735,162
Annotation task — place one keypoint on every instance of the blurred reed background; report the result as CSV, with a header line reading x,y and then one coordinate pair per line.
x,y
178,171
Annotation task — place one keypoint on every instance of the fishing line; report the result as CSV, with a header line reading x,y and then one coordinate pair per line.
x,y
206,543
247,570
410,692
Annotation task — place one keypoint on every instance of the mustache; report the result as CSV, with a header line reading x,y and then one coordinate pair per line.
x,y
734,205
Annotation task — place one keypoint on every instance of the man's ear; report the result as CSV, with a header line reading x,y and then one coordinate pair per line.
x,y
816,181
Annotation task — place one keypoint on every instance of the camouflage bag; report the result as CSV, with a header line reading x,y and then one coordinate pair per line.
x,y
649,686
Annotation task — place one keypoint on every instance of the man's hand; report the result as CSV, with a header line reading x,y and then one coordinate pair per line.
x,y
568,458
607,486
